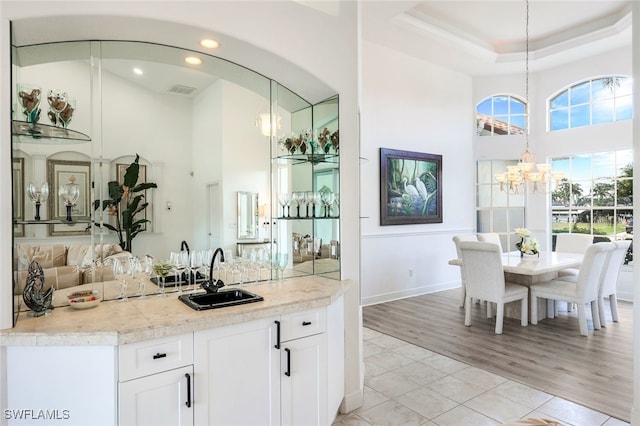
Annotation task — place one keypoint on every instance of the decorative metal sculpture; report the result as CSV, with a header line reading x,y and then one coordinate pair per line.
x,y
35,296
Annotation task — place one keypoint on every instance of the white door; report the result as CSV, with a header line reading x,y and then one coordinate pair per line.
x,y
159,399
237,375
214,215
304,381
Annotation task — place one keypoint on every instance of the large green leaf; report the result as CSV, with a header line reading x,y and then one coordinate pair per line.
x,y
131,175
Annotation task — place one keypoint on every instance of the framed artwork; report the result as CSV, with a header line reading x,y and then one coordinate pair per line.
x,y
60,172
410,187
121,169
19,189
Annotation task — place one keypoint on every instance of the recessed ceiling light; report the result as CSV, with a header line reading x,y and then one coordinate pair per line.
x,y
209,44
192,60
137,71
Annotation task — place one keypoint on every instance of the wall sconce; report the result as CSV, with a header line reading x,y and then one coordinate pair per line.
x,y
69,192
38,194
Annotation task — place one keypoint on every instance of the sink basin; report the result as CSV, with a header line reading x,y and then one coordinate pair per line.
x,y
221,299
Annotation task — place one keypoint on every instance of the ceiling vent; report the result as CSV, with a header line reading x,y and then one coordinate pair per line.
x,y
181,90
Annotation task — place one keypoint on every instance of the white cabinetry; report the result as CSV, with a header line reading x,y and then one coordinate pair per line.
x,y
271,371
237,380
155,386
304,368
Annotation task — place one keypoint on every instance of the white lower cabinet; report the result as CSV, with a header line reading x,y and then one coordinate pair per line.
x,y
236,375
266,372
159,399
156,382
304,381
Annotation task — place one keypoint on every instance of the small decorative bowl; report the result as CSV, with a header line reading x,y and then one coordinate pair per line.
x,y
81,293
84,302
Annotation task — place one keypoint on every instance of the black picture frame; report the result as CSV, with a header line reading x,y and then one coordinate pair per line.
x,y
410,187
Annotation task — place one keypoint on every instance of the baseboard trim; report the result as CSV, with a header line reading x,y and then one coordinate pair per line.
x,y
418,291
352,402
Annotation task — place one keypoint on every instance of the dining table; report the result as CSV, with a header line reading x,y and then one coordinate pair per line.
x,y
528,270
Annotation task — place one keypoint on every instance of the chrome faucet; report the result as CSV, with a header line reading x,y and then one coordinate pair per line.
x,y
209,285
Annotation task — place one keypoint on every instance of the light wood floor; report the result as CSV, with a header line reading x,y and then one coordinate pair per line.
x,y
594,371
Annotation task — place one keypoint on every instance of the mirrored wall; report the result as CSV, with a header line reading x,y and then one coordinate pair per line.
x,y
87,115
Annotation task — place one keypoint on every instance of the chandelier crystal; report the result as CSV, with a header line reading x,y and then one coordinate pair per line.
x,y
527,173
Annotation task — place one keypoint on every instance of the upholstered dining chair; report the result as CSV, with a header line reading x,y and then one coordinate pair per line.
x,y
457,239
609,283
484,276
583,291
490,237
572,243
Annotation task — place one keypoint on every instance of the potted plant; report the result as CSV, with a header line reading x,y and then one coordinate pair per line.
x,y
126,201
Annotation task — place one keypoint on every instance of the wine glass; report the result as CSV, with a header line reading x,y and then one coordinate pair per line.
x,y
280,262
284,199
327,199
178,261
297,198
161,268
121,271
308,195
194,264
142,272
314,200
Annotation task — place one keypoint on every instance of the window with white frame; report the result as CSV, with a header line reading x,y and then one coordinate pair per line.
x,y
589,102
596,196
501,115
497,211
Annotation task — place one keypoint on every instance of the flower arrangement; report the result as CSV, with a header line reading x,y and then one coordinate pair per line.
x,y
527,245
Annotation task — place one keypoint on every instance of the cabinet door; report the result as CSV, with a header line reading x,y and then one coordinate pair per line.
x,y
304,381
160,399
237,375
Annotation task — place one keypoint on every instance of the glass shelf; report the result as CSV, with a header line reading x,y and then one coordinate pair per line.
x,y
310,158
46,134
307,218
50,222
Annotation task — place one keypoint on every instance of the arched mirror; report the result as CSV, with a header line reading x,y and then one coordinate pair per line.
x,y
195,136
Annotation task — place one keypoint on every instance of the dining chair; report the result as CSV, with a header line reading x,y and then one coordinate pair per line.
x,y
572,243
490,237
609,282
484,276
583,291
457,239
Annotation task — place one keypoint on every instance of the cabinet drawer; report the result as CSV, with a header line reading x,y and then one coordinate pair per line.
x,y
153,356
302,324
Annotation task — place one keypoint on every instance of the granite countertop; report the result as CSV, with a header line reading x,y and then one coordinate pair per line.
x,y
116,323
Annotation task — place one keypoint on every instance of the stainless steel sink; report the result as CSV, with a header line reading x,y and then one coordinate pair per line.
x,y
220,299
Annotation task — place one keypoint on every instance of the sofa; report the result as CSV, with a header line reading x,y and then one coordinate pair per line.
x,y
66,266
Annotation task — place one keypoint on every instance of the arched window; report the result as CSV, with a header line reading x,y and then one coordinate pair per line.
x,y
501,115
594,101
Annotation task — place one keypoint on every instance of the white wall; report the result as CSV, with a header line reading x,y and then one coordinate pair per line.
x,y
413,105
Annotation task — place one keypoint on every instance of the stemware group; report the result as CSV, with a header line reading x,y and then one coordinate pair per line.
x,y
305,203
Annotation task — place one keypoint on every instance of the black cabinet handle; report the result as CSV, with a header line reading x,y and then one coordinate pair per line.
x,y
159,355
306,322
188,403
288,372
277,346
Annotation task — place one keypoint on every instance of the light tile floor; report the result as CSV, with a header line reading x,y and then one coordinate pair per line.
x,y
408,385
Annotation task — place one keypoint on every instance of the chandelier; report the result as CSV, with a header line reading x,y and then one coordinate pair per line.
x,y
527,172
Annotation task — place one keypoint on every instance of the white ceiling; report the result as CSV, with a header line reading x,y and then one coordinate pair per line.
x,y
474,37
489,37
